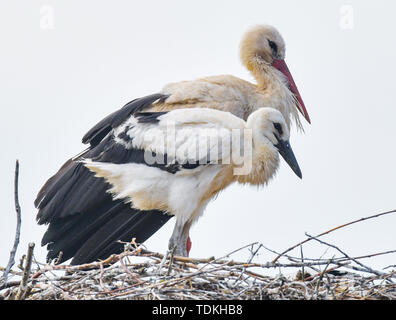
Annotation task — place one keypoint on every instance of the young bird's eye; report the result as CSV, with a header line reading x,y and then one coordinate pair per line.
x,y
278,127
273,47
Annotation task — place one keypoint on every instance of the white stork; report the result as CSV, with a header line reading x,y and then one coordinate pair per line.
x,y
84,221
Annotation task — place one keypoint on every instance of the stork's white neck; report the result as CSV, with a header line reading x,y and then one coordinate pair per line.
x,y
264,156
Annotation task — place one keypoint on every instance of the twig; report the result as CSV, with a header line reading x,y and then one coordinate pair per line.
x,y
368,269
129,272
164,257
252,255
321,277
302,269
11,261
101,278
390,266
26,273
331,230
171,257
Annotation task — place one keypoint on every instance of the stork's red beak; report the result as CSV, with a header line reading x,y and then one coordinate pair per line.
x,y
281,65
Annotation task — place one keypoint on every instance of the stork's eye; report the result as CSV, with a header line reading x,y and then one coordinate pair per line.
x,y
274,47
278,128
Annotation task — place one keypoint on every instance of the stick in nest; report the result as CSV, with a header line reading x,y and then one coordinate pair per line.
x,y
23,288
11,261
331,230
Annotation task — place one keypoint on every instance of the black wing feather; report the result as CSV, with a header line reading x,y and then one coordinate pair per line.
x,y
100,130
149,117
83,220
134,225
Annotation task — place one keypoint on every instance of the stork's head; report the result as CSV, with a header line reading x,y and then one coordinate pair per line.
x,y
270,129
263,52
262,43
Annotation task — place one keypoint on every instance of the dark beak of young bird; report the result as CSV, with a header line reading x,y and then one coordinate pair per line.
x,y
286,152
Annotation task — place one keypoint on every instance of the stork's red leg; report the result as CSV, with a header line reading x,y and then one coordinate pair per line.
x,y
189,244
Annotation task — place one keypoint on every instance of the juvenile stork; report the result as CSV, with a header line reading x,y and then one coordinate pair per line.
x,y
178,161
84,221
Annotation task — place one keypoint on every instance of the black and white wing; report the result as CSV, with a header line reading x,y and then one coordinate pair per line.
x,y
84,221
167,160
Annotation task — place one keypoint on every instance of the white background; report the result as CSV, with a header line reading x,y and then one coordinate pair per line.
x,y
59,77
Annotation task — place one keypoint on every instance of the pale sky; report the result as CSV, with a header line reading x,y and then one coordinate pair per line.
x,y
61,75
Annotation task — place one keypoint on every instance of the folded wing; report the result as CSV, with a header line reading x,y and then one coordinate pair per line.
x,y
84,222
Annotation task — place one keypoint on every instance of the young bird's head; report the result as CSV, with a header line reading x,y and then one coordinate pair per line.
x,y
269,129
262,51
261,45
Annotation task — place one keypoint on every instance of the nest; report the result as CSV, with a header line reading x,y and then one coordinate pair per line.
x,y
139,274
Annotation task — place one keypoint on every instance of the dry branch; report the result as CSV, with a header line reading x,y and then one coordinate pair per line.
x,y
23,288
331,230
11,260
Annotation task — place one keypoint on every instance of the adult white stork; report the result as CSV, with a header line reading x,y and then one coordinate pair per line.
x,y
85,221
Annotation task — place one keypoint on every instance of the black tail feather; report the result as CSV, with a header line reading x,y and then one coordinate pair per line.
x,y
94,235
124,226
